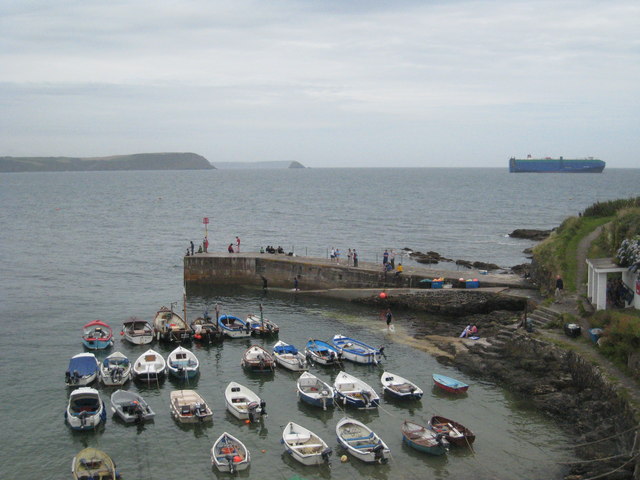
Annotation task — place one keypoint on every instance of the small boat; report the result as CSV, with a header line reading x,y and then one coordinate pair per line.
x,y
85,410
424,439
262,326
243,403
92,463
183,364
189,407
115,370
258,360
170,327
130,407
83,370
304,445
399,387
289,357
357,351
449,384
97,335
362,442
354,392
149,367
314,391
205,330
323,353
137,331
455,433
233,327
229,454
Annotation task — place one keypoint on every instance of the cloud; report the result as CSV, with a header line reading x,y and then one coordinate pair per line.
x,y
224,78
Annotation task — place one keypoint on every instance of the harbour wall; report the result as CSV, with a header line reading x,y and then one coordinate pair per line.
x,y
216,269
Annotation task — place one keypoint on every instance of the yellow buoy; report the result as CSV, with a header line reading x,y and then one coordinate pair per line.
x,y
344,458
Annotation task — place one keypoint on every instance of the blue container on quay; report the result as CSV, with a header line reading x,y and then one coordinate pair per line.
x,y
436,284
472,284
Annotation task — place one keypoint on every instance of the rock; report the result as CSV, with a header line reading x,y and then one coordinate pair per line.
x,y
530,234
485,266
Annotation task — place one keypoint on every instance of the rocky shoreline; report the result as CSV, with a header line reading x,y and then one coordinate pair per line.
x,y
559,382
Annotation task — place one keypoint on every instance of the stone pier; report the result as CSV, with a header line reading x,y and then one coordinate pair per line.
x,y
252,269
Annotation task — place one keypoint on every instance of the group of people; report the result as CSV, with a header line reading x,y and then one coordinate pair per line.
x,y
352,256
271,249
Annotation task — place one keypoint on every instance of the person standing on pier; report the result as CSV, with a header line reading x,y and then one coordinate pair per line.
x,y
355,258
238,244
392,259
205,244
385,258
192,247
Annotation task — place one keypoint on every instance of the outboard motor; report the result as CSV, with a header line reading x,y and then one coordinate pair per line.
x,y
137,410
326,453
232,466
75,378
440,439
252,409
200,411
67,377
366,396
378,453
381,349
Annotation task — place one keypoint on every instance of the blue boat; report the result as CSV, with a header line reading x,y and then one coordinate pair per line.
x,y
97,335
449,384
314,391
323,353
83,369
355,392
357,351
234,327
556,165
424,439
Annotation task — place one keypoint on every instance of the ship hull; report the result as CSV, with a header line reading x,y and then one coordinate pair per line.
x,y
556,165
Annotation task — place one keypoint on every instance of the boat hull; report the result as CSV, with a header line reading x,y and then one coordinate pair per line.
x,y
353,392
189,407
85,410
450,385
305,446
435,450
456,433
356,351
229,454
399,388
361,442
234,327
130,407
93,463
243,403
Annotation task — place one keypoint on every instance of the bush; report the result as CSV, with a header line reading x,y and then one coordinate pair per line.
x,y
628,254
621,333
609,208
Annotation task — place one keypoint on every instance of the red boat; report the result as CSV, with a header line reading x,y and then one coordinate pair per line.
x,y
449,384
456,433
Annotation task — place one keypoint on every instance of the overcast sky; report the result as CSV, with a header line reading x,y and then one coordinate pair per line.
x,y
339,83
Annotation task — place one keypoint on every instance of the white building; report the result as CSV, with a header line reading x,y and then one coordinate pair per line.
x,y
598,268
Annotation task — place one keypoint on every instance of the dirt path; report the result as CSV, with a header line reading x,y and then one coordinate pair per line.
x,y
581,257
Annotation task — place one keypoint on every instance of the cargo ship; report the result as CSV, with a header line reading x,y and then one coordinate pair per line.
x,y
556,165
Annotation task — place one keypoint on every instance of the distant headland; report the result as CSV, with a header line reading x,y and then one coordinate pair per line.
x,y
137,161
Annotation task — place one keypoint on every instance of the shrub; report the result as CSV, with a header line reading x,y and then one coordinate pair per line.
x,y
628,254
609,208
621,334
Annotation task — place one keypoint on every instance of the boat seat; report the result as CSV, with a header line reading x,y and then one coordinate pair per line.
x,y
307,445
353,439
366,445
297,437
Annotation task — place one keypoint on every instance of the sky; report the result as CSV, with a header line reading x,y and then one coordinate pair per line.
x,y
336,83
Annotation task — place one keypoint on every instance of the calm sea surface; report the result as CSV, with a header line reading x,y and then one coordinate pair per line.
x,y
79,246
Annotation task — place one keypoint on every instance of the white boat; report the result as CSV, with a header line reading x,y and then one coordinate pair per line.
x,y
258,360
83,369
399,387
92,463
170,327
314,391
355,392
229,454
187,406
137,331
243,403
289,357
85,410
149,367
262,326
234,327
362,442
130,407
304,445
115,370
357,351
323,353
183,364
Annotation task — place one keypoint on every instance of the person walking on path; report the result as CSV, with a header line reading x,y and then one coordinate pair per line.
x,y
559,289
238,244
192,247
355,258
389,317
385,257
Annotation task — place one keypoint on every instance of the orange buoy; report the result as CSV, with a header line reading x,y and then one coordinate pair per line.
x,y
383,295
247,421
237,459
263,451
